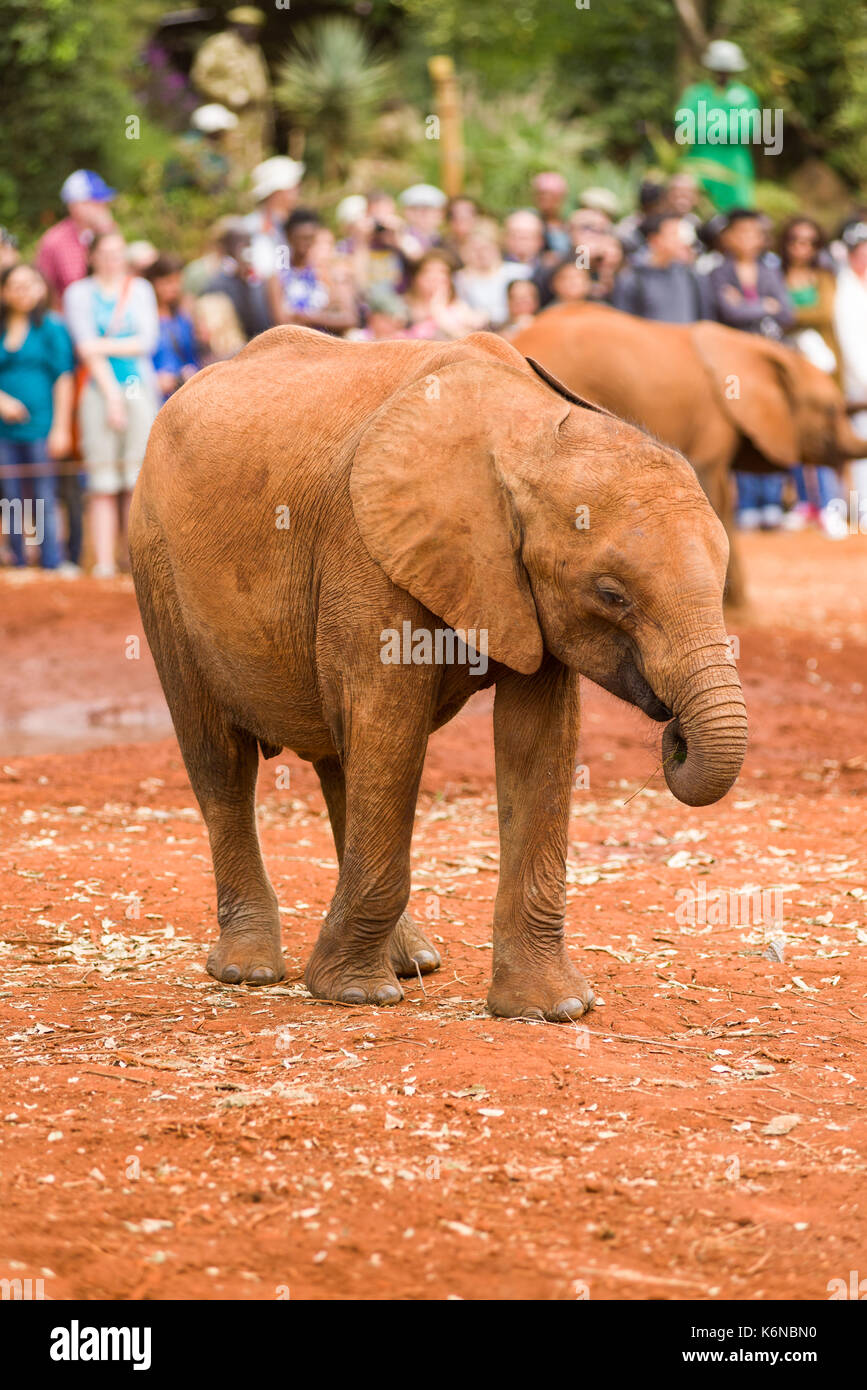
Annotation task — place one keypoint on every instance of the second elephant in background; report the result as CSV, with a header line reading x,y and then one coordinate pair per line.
x,y
727,400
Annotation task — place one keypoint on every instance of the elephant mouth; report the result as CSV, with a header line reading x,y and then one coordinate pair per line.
x,y
637,691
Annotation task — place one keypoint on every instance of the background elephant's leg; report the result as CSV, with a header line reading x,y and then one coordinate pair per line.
x,y
409,949
536,740
382,768
717,481
723,505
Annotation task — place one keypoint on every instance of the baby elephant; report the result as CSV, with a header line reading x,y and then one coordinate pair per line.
x,y
334,545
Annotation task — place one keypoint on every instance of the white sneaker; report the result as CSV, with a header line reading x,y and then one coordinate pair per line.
x,y
772,517
749,519
797,518
103,572
69,570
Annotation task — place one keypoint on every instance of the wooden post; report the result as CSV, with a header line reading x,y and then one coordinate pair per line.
x,y
448,103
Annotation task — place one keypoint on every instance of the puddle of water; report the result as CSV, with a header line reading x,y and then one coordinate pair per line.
x,y
73,726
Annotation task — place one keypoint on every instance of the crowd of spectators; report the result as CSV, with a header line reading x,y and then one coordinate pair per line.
x,y
96,333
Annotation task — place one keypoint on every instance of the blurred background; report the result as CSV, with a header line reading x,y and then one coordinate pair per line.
x,y
544,83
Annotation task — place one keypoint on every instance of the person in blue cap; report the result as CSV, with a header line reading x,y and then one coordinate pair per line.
x,y
61,256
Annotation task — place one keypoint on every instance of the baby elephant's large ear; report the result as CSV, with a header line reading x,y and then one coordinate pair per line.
x,y
431,494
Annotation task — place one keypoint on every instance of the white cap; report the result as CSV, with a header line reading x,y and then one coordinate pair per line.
x,y
275,175
212,118
724,56
600,200
423,195
351,209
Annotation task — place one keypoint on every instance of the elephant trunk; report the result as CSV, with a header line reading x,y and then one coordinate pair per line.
x,y
704,745
849,444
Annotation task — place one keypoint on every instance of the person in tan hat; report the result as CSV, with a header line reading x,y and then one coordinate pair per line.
x,y
230,69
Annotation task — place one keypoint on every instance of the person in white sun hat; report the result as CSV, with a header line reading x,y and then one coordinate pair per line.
x,y
275,184
423,207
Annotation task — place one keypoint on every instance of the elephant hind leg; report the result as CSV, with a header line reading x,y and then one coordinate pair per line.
x,y
373,820
410,951
222,763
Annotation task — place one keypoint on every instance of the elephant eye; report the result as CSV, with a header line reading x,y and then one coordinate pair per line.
x,y
611,595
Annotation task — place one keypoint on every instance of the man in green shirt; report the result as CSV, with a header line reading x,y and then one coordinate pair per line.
x,y
716,119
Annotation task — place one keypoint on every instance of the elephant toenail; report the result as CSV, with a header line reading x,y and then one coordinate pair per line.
x,y
388,994
231,975
353,996
570,1008
262,975
426,960
532,1012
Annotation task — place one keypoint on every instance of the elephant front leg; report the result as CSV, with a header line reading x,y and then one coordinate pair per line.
x,y
536,740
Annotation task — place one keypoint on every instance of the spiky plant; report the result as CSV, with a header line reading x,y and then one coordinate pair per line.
x,y
332,84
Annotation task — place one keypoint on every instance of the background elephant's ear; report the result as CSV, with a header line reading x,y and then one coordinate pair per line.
x,y
752,381
430,490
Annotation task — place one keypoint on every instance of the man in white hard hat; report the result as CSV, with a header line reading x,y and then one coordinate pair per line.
x,y
202,156
275,184
712,115
213,119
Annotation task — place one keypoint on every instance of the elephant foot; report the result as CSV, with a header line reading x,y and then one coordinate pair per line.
x,y
250,954
556,993
346,981
410,951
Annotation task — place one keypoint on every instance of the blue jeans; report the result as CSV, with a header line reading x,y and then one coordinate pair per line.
x,y
757,490
17,481
821,489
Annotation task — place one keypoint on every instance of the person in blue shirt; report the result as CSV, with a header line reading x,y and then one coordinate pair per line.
x,y
36,389
177,356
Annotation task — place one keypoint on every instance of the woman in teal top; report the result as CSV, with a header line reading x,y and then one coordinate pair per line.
x,y
36,364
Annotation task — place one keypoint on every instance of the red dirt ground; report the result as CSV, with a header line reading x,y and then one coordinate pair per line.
x,y
163,1136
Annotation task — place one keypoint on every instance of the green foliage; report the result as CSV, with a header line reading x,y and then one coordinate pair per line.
x,y
810,59
510,139
65,99
778,201
176,219
612,63
619,66
333,85
590,91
